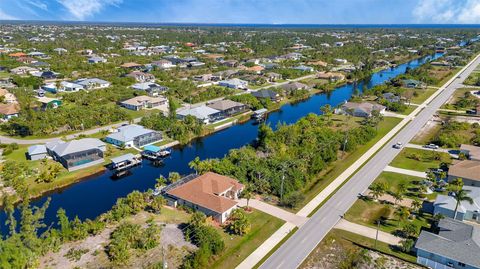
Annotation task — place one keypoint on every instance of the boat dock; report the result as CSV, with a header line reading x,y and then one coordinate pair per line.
x,y
155,153
125,162
260,115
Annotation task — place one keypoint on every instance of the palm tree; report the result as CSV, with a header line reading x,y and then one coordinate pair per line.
x,y
402,213
461,195
247,194
327,111
416,204
398,196
377,190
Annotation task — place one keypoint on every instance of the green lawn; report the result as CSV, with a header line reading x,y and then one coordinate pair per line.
x,y
370,244
423,95
409,110
337,167
425,137
367,212
419,160
237,248
393,180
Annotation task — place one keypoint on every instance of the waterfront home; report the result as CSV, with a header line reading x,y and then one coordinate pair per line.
x,y
363,109
210,193
66,86
445,205
391,97
60,50
8,111
204,114
234,83
471,152
455,244
133,135
228,107
267,94
143,102
413,84
467,170
331,76
140,76
152,89
37,152
93,83
294,86
77,154
96,60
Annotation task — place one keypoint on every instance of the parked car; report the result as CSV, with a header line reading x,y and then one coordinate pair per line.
x,y
398,145
431,146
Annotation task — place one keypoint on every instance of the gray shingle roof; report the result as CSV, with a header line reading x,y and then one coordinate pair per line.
x,y
456,240
129,132
201,112
64,148
37,149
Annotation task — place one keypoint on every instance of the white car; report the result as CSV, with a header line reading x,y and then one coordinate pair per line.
x,y
431,146
398,145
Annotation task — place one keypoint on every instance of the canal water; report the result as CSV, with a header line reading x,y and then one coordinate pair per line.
x,y
91,197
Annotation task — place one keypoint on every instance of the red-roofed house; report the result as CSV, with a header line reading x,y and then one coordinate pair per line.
x,y
210,193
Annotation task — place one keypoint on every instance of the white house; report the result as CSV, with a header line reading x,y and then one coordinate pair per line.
x,y
234,83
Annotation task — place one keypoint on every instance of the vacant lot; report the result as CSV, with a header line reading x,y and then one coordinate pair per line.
x,y
420,160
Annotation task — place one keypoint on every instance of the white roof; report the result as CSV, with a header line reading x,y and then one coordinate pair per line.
x,y
449,202
63,148
129,132
201,112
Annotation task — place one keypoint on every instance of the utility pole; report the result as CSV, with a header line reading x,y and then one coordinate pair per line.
x,y
165,264
281,186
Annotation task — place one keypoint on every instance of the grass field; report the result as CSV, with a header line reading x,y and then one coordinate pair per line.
x,y
419,160
237,248
393,180
423,95
337,167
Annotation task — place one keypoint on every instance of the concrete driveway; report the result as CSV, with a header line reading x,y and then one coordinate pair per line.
x,y
274,211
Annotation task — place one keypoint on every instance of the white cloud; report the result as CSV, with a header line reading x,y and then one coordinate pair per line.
x,y
82,9
447,11
5,16
38,4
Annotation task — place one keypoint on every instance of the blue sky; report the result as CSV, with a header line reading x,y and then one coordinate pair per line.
x,y
247,11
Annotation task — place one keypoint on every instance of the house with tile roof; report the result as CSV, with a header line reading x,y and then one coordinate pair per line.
x,y
210,193
454,244
144,102
8,111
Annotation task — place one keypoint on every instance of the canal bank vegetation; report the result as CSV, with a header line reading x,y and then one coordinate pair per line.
x,y
282,163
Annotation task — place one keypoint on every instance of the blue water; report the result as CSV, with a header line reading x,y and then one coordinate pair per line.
x,y
91,197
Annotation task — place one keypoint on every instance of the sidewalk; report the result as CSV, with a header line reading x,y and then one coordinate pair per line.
x,y
405,171
274,211
368,232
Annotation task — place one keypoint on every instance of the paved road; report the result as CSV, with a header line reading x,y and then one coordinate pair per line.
x,y
294,251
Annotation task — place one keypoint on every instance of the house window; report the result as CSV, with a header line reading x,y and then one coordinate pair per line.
x,y
461,264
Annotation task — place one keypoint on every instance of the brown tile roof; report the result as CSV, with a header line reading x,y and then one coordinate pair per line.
x,y
17,54
473,151
130,65
9,109
466,169
224,104
204,190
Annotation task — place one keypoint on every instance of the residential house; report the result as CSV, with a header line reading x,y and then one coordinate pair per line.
x,y
204,114
8,111
142,102
267,94
331,76
96,60
304,68
273,77
471,152
152,89
340,61
50,87
467,170
294,86
163,64
413,84
234,83
131,66
455,244
37,152
45,74
66,86
228,107
77,154
23,70
48,102
133,136
364,109
8,97
210,193
140,76
391,97
93,83
60,50
446,204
